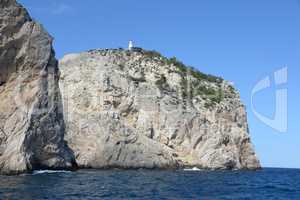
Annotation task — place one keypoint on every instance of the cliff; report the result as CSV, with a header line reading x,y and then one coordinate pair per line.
x,y
31,121
120,108
132,109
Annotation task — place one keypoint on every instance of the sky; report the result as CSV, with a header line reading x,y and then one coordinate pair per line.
x,y
241,41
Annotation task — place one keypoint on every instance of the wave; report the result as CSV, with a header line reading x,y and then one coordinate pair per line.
x,y
36,172
192,169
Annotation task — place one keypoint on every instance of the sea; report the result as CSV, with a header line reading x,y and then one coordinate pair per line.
x,y
265,184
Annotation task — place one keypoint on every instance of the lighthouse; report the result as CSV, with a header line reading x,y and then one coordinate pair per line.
x,y
130,45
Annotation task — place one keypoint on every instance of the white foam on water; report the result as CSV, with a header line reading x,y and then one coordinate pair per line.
x,y
192,169
36,172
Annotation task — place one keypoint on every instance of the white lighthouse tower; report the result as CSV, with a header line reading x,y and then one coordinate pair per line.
x,y
130,45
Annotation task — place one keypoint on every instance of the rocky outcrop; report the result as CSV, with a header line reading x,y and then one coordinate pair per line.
x,y
120,108
132,109
31,121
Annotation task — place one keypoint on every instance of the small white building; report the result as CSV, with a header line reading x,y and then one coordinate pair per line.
x,y
130,45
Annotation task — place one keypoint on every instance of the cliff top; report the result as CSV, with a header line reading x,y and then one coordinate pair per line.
x,y
156,56
193,82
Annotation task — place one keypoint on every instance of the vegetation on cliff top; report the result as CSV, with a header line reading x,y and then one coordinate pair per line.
x,y
213,95
182,67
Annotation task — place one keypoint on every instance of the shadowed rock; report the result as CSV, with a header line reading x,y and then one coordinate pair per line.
x,y
31,121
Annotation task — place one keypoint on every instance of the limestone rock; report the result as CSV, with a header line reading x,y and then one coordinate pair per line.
x,y
132,109
31,121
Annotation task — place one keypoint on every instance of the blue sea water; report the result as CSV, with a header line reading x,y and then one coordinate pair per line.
x,y
266,184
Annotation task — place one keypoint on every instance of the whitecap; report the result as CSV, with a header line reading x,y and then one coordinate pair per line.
x,y
36,172
192,169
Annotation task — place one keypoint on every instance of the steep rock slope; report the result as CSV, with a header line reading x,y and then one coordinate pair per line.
x,y
132,109
31,121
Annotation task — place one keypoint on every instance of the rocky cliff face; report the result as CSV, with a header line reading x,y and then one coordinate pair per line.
x,y
134,109
126,109
31,124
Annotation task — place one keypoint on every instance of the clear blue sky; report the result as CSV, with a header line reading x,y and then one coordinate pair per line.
x,y
242,41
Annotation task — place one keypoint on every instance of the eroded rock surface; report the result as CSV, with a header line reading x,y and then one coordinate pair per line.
x,y
31,121
132,109
124,109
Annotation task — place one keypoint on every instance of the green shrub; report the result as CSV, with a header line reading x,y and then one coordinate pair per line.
x,y
201,76
152,54
218,97
182,67
231,89
212,95
208,104
194,72
202,90
184,87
